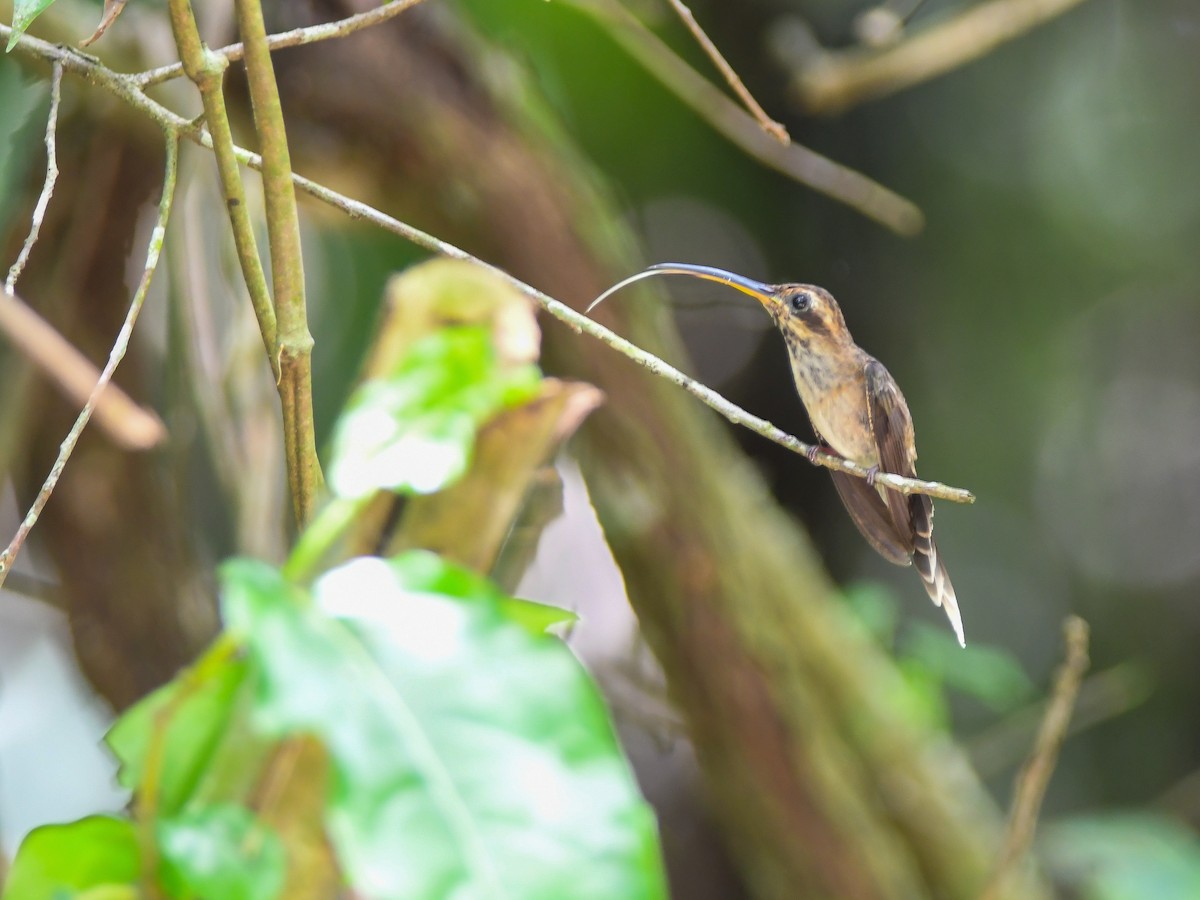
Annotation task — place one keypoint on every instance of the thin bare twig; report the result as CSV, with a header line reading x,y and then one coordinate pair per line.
x,y
128,424
114,358
727,118
121,87
1034,776
39,210
835,81
769,125
295,38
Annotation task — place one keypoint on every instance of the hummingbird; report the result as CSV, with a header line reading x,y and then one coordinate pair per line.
x,y
857,411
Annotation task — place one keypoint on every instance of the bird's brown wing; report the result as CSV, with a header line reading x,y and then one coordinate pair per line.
x,y
873,519
892,426
912,515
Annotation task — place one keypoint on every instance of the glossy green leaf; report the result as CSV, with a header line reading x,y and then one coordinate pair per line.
x,y
221,851
471,757
24,12
194,729
99,852
415,429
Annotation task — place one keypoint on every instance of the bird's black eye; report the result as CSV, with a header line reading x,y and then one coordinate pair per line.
x,y
800,302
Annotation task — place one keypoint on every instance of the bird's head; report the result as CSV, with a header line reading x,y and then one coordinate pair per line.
x,y
805,313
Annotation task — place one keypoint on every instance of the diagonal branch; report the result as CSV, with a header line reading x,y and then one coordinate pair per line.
x,y
114,358
120,85
725,117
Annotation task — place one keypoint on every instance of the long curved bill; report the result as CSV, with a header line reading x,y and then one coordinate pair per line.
x,y
763,293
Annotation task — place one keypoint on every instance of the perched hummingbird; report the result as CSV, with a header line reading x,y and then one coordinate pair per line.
x,y
857,411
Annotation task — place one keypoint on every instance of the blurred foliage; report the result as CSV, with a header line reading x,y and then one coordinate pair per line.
x,y
1125,857
419,423
470,751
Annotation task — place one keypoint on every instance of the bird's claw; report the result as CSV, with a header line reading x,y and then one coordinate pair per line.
x,y
871,473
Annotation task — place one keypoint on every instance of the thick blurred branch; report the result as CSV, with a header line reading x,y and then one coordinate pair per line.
x,y
126,423
833,81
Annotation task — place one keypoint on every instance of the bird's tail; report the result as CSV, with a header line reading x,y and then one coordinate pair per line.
x,y
930,566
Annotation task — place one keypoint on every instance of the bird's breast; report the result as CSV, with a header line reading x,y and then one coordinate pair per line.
x,y
835,396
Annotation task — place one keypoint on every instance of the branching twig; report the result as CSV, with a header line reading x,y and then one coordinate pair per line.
x,y
119,85
293,342
1034,776
39,210
727,118
207,71
114,358
296,38
838,80
769,125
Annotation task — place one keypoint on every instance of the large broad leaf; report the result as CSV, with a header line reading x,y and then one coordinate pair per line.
x,y
194,710
221,851
414,429
472,758
66,860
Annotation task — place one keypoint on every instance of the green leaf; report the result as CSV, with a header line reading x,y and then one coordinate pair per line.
x,y
24,12
62,860
415,429
194,728
992,676
535,618
221,851
1125,857
427,573
471,757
